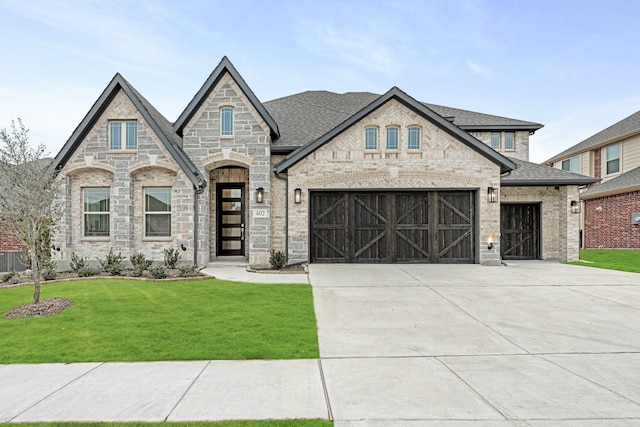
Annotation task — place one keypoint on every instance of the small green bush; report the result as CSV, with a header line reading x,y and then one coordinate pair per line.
x,y
49,271
87,272
171,257
112,264
158,272
186,271
140,261
277,260
77,262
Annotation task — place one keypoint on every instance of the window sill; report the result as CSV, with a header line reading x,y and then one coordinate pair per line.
x,y
122,152
158,239
227,136
95,239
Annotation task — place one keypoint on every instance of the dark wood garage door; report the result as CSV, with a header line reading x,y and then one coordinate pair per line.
x,y
432,227
520,231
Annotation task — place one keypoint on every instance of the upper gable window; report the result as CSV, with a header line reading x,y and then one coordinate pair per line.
x,y
572,164
613,158
495,141
393,134
510,141
371,138
123,135
413,142
226,121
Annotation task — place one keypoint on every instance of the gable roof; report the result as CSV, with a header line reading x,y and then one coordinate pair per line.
x,y
321,111
532,174
158,123
225,66
625,127
400,96
624,183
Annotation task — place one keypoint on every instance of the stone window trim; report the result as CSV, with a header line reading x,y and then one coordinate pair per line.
x,y
371,143
157,212
391,138
227,119
414,137
96,214
613,159
122,136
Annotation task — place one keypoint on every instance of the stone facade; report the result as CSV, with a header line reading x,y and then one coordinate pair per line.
x,y
442,162
608,222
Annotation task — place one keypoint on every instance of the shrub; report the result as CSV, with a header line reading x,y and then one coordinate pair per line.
x,y
187,271
86,271
277,260
158,272
49,271
77,262
112,264
171,257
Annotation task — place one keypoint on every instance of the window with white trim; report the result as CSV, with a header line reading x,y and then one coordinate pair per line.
x,y
157,212
226,121
509,141
96,211
413,135
371,138
393,134
613,158
572,164
495,141
123,135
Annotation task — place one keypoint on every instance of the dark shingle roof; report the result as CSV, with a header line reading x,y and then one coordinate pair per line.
x,y
628,181
624,127
306,116
533,174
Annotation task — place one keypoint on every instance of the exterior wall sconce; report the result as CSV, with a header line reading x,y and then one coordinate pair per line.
x,y
490,239
297,196
260,195
492,195
183,246
490,246
575,206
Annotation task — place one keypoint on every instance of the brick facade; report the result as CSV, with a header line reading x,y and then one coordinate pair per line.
x,y
521,144
8,240
607,222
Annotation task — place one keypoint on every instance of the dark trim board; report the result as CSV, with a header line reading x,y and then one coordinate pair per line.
x,y
403,226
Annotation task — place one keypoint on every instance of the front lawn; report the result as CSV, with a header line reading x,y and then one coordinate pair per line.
x,y
623,260
131,320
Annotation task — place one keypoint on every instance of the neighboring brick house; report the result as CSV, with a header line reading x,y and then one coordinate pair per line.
x,y
10,250
324,177
612,207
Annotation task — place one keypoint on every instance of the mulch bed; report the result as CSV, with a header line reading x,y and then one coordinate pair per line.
x,y
45,307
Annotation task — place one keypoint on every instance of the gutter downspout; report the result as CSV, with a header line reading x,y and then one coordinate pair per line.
x,y
196,192
286,211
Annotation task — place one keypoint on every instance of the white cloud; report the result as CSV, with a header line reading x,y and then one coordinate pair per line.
x,y
477,68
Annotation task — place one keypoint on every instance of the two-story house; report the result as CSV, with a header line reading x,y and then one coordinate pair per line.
x,y
612,207
324,177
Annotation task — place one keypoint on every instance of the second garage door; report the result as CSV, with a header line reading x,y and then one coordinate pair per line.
x,y
430,226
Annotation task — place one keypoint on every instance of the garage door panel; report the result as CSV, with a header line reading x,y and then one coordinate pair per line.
x,y
329,227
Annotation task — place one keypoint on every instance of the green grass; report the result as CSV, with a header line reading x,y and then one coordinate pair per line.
x,y
623,260
270,423
131,320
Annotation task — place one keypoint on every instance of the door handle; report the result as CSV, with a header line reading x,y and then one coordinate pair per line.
x,y
241,231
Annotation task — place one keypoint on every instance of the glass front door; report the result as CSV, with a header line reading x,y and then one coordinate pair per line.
x,y
230,219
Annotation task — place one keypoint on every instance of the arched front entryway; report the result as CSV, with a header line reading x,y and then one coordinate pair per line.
x,y
229,215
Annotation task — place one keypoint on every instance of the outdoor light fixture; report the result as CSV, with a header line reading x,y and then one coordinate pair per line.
x,y
492,195
575,206
490,246
297,196
55,248
490,238
183,246
260,195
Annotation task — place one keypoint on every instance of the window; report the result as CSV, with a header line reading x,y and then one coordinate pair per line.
x,y
509,141
572,164
126,131
371,138
414,138
613,158
157,212
96,203
226,121
495,141
392,138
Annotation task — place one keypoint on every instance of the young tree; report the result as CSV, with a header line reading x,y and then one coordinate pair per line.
x,y
28,194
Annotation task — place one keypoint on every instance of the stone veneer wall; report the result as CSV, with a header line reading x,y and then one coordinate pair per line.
x,y
560,228
442,162
608,222
278,207
248,147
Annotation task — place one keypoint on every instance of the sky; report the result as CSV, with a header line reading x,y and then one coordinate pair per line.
x,y
572,65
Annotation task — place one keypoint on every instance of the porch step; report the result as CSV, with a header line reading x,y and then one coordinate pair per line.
x,y
228,262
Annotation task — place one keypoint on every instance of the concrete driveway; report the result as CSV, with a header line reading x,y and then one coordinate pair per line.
x,y
537,344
